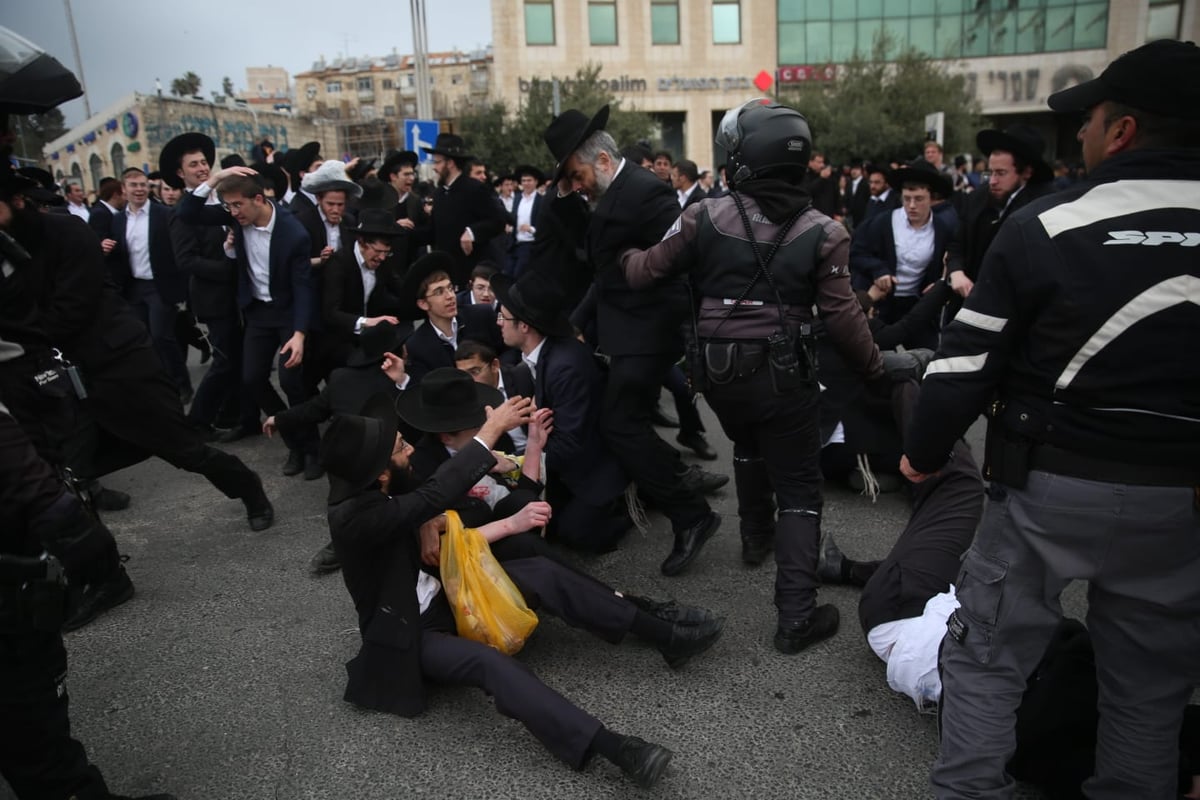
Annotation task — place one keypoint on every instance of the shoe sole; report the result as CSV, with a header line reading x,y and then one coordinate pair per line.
x,y
704,537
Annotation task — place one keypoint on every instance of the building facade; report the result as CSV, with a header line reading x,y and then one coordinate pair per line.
x,y
268,86
687,61
132,132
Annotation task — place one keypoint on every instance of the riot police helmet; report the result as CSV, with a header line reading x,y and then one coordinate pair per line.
x,y
763,137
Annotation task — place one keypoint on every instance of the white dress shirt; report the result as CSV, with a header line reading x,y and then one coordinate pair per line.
x,y
518,436
682,195
78,209
525,217
368,281
258,254
452,339
137,241
333,233
914,249
531,359
508,202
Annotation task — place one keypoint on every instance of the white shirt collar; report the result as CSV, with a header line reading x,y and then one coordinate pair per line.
x,y
531,358
270,226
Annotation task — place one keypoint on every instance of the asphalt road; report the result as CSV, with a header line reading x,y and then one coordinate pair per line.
x,y
223,677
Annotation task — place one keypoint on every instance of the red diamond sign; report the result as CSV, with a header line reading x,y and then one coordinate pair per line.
x,y
763,80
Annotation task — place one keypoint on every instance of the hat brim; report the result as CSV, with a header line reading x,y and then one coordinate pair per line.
x,y
938,183
171,157
1080,97
375,457
596,123
549,322
359,358
526,169
351,188
430,419
461,155
421,269
991,139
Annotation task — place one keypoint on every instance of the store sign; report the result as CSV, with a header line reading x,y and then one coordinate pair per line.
x,y
806,72
674,83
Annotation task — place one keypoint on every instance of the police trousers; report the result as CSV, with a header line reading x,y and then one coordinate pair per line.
x,y
1139,549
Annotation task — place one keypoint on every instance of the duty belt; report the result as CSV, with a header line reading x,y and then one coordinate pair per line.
x,y
1048,458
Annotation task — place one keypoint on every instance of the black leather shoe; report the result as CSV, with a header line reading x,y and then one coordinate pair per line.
x,y
696,442
110,500
324,561
829,560
690,640
688,543
100,597
642,762
294,464
234,434
671,611
312,468
823,623
661,419
259,511
702,481
756,547
207,432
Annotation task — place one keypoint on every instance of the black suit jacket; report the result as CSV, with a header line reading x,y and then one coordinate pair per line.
x,y
376,540
695,197
426,351
293,299
200,254
100,219
856,201
570,382
887,206
169,280
318,238
534,214
466,203
873,251
342,293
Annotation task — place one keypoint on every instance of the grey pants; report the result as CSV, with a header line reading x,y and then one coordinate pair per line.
x,y
1139,549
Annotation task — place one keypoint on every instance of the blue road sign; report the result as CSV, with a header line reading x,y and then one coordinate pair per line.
x,y
420,133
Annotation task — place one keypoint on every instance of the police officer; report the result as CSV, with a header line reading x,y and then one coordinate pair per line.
x,y
1079,339
759,259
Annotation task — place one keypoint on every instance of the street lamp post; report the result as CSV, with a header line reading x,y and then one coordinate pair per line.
x,y
87,106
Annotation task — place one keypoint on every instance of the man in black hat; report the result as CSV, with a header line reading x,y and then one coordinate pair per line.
x,y
387,540
526,209
902,253
1075,339
297,163
360,286
186,163
328,222
467,215
399,171
1019,175
584,482
605,205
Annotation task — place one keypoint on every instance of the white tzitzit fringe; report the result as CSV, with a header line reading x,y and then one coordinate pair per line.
x,y
637,512
870,483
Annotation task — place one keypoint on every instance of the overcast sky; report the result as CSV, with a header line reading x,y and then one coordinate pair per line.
x,y
126,44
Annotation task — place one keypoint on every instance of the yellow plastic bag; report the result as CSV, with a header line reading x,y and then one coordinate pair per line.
x,y
487,607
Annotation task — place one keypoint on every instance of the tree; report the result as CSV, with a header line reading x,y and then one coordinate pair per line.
x,y
34,131
876,107
504,140
186,86
227,86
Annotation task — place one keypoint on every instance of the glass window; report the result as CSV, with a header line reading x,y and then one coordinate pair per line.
x,y
816,39
365,85
923,8
727,22
1091,25
1164,21
819,9
792,10
895,8
539,22
843,41
947,36
1060,28
664,22
920,34
1031,30
1004,34
868,31
868,9
949,6
602,22
844,9
333,87
791,43
897,34
975,34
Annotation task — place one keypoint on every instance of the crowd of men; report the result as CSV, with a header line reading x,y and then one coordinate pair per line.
x,y
498,348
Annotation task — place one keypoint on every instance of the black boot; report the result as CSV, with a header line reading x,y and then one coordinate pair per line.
x,y
100,597
756,509
642,762
294,464
324,561
794,637
259,511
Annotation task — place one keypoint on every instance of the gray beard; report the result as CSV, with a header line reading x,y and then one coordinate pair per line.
x,y
603,181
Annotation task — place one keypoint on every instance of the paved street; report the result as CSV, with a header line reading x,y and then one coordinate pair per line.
x,y
223,677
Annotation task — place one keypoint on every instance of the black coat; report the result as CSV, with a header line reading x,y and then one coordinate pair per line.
x,y
100,220
170,281
979,224
886,206
426,351
200,254
856,201
342,293
466,203
376,540
310,217
873,251
534,215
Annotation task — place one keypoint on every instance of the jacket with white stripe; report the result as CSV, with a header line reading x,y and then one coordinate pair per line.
x,y
1084,323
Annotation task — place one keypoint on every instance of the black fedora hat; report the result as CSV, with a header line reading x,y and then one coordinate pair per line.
x,y
527,169
921,171
274,176
1023,142
395,160
377,194
568,131
46,192
533,302
301,158
421,269
355,450
1145,78
378,223
449,145
447,400
377,340
171,157
233,160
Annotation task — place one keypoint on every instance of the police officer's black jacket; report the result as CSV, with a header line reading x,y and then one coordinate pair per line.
x,y
1084,322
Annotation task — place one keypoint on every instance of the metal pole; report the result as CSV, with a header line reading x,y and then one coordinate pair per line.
x,y
87,106
557,98
421,59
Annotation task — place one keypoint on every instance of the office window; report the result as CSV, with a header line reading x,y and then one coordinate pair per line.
x,y
1164,20
602,22
539,22
727,22
1091,25
664,21
365,84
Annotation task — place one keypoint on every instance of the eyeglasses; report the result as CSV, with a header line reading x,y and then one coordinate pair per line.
x,y
442,291
379,251
236,206
501,318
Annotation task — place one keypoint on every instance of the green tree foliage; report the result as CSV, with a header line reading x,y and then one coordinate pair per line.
x,y
876,108
503,139
186,85
34,131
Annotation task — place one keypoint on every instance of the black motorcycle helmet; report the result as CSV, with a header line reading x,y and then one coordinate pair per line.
x,y
762,137
31,82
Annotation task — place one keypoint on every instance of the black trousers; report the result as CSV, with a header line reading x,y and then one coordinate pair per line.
x,y
778,435
518,259
634,385
260,353
685,401
548,587
581,525
221,385
159,318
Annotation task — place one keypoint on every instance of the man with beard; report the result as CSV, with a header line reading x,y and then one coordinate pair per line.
x,y
467,215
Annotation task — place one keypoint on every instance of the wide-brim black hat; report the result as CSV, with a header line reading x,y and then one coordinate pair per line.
x,y
921,171
421,269
356,449
46,191
533,302
449,145
397,159
301,158
233,160
274,175
379,223
1151,78
447,400
171,157
377,194
1023,142
374,342
528,169
568,131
